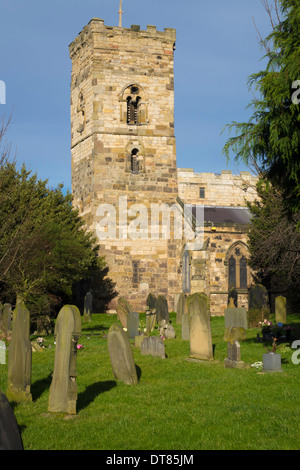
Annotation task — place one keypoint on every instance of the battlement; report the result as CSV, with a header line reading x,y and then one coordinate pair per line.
x,y
123,37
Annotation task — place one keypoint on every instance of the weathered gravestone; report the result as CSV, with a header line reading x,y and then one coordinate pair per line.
x,y
88,306
63,389
200,328
185,327
150,320
10,437
280,309
162,310
19,356
235,334
181,308
233,359
123,309
133,324
44,325
153,346
121,357
258,297
166,330
2,352
6,317
236,317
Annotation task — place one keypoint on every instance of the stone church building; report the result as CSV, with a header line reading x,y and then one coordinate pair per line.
x,y
123,151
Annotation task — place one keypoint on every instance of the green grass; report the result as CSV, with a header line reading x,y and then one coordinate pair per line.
x,y
177,404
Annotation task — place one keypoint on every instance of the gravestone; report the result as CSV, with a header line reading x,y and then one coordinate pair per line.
x,y
121,357
63,389
233,294
123,309
162,310
2,352
280,309
236,317
200,328
44,325
153,346
88,306
133,324
233,359
19,356
166,330
235,334
181,308
151,302
272,362
10,437
185,327
150,320
258,297
6,317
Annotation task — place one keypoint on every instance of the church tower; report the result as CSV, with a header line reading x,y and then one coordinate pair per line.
x,y
124,152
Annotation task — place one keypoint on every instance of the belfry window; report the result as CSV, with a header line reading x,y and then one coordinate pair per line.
x,y
133,110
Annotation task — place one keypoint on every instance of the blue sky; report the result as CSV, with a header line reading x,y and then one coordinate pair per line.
x,y
217,49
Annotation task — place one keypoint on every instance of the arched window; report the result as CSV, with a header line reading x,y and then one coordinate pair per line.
x,y
238,271
136,105
134,161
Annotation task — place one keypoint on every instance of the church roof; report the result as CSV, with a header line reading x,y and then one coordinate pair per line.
x,y
225,215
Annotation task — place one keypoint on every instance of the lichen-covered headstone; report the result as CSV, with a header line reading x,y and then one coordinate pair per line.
x,y
63,389
123,309
200,328
151,302
121,356
88,305
280,309
181,308
258,297
235,334
236,317
10,436
153,346
19,356
150,320
162,310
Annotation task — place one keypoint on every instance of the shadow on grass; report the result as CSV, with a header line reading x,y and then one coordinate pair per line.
x,y
38,387
86,327
92,391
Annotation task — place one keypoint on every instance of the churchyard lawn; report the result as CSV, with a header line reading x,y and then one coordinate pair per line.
x,y
178,404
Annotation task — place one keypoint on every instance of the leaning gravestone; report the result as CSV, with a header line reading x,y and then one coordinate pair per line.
x,y
162,310
19,356
181,308
121,357
153,346
151,302
233,359
200,328
63,389
280,309
133,324
150,320
2,352
10,437
6,317
88,305
123,309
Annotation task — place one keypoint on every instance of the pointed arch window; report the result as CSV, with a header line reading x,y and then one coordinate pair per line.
x,y
238,270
